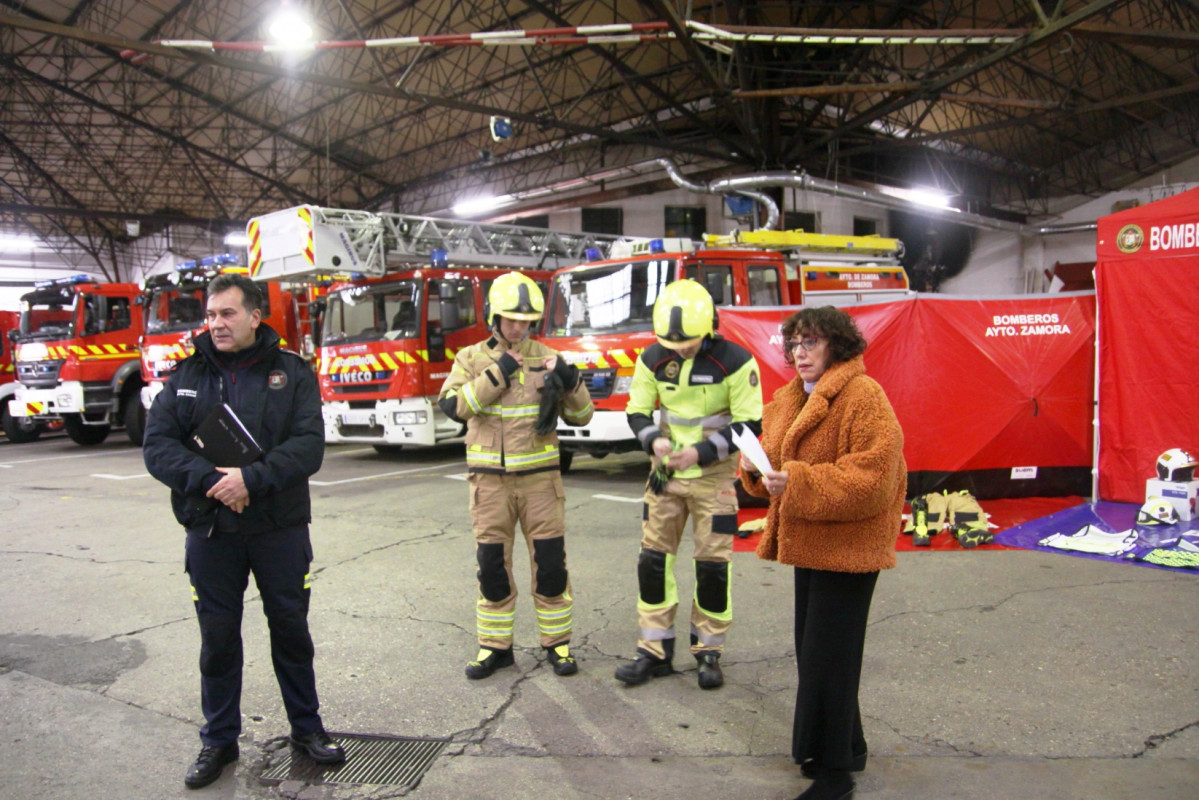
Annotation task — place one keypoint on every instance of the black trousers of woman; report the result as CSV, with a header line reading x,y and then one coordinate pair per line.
x,y
830,633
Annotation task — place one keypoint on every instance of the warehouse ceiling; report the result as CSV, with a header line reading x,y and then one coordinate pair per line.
x,y
173,111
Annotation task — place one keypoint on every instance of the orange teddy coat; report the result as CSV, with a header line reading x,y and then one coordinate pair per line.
x,y
842,450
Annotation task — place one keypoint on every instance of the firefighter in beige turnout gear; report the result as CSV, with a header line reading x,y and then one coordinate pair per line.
x,y
510,391
707,388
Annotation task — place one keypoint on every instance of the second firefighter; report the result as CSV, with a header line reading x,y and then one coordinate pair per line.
x,y
510,392
707,388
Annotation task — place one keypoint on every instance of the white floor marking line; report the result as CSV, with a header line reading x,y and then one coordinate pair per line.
x,y
617,498
381,475
118,477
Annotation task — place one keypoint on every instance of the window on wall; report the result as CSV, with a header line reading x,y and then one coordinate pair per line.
x,y
864,227
686,222
806,221
603,220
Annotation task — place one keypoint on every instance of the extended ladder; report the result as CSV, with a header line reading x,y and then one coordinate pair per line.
x,y
310,241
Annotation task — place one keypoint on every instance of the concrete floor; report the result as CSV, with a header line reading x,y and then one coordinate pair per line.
x,y
987,674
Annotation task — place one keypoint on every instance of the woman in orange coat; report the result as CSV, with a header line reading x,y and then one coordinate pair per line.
x,y
836,502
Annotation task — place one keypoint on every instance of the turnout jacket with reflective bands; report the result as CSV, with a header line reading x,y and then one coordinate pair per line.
x,y
703,399
499,402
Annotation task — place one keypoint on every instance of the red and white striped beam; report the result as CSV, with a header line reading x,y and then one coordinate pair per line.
x,y
619,33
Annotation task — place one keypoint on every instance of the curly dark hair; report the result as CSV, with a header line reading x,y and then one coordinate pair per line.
x,y
845,341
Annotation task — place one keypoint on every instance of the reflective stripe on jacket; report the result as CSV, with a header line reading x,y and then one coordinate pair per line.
x,y
501,411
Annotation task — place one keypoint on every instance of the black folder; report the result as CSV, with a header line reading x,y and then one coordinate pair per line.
x,y
223,439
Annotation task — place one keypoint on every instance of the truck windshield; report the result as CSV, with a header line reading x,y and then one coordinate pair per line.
x,y
607,299
373,313
172,309
48,314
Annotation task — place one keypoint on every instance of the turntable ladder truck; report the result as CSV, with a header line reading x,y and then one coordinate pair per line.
x,y
404,294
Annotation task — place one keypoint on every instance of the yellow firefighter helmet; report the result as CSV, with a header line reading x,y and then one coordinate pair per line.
x,y
683,314
514,296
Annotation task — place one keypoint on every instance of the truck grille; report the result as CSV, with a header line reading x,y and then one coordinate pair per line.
x,y
599,382
39,374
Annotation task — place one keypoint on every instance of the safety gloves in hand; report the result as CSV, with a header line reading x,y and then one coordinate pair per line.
x,y
659,478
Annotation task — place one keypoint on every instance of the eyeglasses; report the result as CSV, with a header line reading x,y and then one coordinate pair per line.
x,y
809,344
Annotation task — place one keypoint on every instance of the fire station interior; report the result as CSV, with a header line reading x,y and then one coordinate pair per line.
x,y
988,188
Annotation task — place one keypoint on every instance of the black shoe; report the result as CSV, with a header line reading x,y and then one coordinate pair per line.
x,y
644,668
810,770
319,747
209,764
840,788
561,659
710,674
487,662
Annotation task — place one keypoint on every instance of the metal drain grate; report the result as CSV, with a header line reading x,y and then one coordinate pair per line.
x,y
384,760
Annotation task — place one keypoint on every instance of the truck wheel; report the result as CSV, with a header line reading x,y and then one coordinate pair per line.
x,y
19,430
388,449
135,420
84,434
565,459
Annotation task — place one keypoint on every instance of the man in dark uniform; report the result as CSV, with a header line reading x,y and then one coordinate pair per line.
x,y
245,519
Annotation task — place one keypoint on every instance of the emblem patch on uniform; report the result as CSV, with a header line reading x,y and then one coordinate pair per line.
x,y
753,377
277,379
672,370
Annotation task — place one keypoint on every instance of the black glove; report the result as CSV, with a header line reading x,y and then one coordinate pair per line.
x,y
547,412
659,478
508,365
568,373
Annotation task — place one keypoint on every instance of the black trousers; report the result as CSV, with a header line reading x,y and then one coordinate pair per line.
x,y
830,633
220,567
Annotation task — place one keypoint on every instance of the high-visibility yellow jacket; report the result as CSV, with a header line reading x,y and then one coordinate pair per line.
x,y
499,403
703,399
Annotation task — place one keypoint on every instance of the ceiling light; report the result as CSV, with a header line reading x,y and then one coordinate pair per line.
x,y
289,27
481,205
237,239
929,197
16,243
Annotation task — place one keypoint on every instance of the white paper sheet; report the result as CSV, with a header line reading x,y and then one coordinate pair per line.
x,y
748,444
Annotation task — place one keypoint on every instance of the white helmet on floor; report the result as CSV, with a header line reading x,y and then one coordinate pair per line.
x,y
1157,511
1177,465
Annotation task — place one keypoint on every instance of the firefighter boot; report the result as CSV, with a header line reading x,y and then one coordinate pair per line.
x,y
971,538
646,666
487,662
920,536
560,658
710,674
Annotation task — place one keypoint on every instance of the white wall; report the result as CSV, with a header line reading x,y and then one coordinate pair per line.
x,y
1002,263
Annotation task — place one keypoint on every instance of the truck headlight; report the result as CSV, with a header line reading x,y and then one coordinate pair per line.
x,y
410,418
622,384
64,401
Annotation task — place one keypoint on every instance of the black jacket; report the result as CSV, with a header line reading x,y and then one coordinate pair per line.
x,y
275,395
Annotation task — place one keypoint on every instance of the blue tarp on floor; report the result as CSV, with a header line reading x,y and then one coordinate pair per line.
x,y
1109,517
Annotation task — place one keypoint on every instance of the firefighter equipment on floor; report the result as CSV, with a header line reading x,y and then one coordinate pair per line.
x,y
1157,511
958,511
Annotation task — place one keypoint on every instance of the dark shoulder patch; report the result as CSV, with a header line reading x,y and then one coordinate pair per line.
x,y
729,355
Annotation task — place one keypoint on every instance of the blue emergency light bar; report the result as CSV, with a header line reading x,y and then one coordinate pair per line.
x,y
439,258
73,279
657,246
593,254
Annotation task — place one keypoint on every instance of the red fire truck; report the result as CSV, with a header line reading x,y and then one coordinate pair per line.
x,y
77,358
405,293
600,314
175,312
18,429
